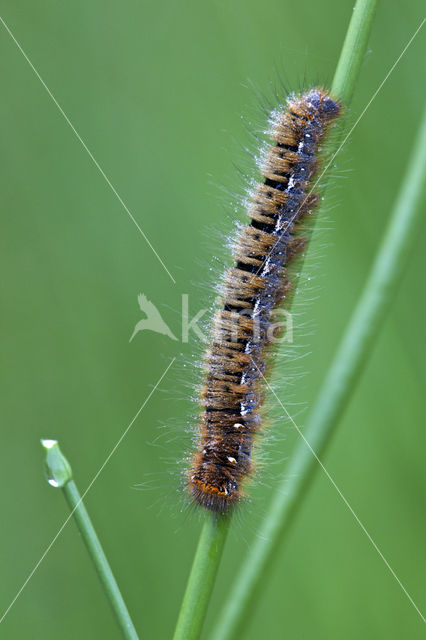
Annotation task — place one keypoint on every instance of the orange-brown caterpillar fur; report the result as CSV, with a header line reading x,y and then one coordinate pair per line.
x,y
235,361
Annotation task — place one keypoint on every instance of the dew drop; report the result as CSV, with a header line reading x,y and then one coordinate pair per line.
x,y
48,444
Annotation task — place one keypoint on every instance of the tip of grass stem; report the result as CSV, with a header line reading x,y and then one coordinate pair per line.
x,y
57,468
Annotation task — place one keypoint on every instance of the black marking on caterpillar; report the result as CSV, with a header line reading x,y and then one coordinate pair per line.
x,y
235,361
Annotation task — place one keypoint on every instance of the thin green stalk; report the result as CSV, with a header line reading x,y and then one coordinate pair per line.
x,y
212,540
337,389
59,474
202,577
353,50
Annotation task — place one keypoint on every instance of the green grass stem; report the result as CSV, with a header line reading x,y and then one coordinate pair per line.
x,y
202,577
353,51
59,475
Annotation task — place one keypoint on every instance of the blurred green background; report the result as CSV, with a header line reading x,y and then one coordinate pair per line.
x,y
166,96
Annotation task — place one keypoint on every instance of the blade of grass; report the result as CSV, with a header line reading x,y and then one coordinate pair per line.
x,y
339,385
212,540
59,474
353,50
202,577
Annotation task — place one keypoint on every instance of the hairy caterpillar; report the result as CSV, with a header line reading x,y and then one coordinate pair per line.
x,y
236,358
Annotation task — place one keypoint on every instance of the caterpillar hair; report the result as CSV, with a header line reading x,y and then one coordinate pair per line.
x,y
259,281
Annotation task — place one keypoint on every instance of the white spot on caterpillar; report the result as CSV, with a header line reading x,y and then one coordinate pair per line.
x,y
237,425
232,460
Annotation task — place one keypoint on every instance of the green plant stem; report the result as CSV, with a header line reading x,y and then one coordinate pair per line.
x,y
339,385
60,475
211,544
353,50
100,561
202,577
